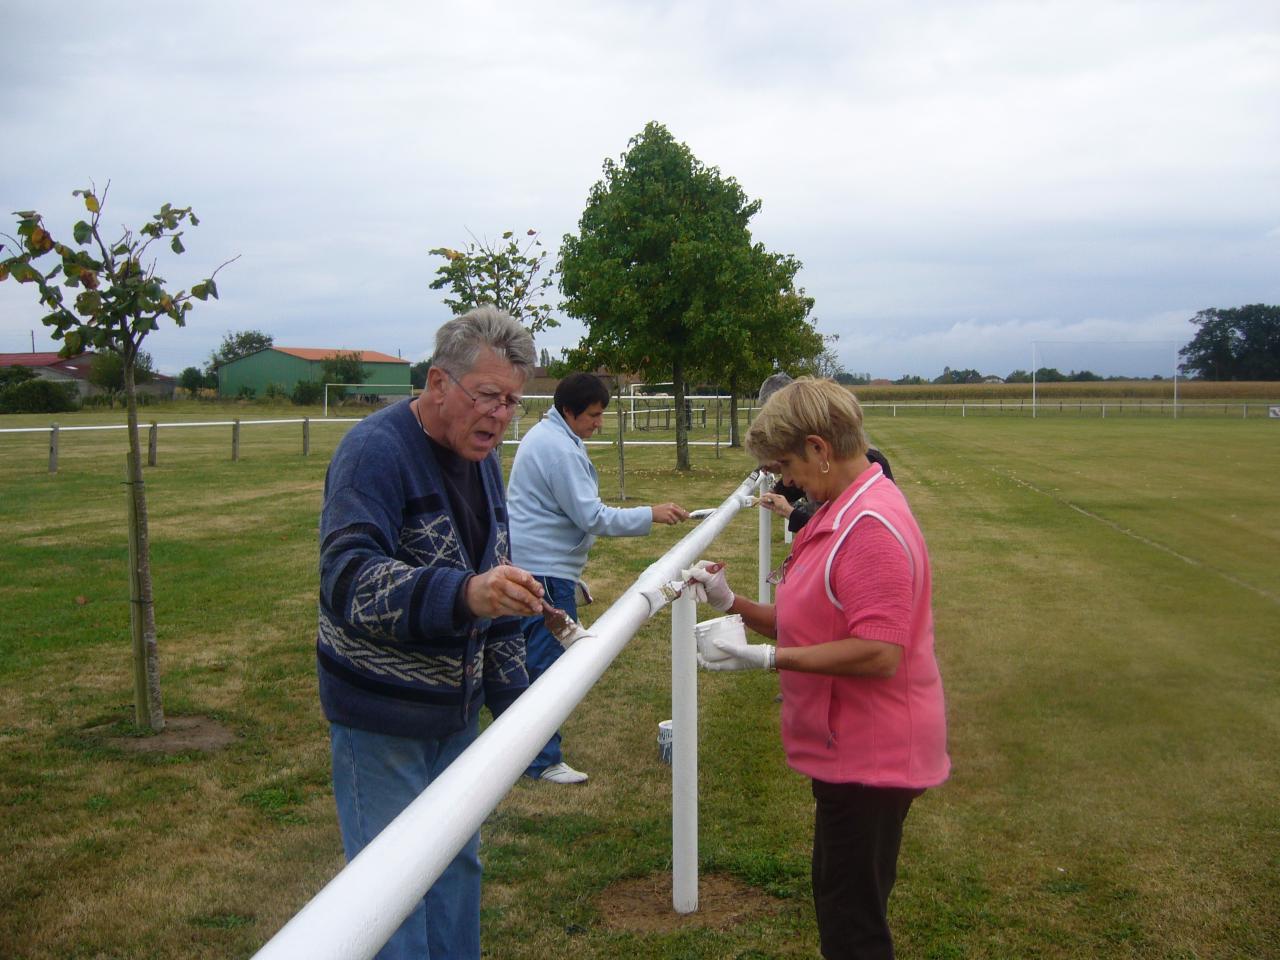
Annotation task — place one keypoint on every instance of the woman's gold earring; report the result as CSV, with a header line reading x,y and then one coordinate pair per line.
x,y
826,467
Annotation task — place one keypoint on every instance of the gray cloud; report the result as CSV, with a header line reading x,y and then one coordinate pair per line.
x,y
959,179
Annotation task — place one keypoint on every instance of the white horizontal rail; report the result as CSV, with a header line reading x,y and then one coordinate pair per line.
x,y
184,423
359,909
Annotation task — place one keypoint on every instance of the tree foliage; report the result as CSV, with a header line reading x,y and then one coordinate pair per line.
x,y
763,327
106,296
664,274
106,372
949,375
1238,343
418,373
504,273
14,375
21,391
239,343
191,379
342,368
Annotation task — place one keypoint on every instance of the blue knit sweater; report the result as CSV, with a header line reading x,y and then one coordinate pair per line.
x,y
393,655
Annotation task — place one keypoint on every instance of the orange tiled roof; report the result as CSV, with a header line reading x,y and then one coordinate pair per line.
x,y
324,353
29,359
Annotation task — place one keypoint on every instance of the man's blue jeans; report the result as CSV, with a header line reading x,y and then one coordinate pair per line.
x,y
375,777
542,649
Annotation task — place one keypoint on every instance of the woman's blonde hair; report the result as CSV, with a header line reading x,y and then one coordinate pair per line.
x,y
803,407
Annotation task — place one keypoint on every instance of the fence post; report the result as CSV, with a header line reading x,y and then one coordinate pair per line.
x,y
235,441
53,448
684,755
306,436
718,409
152,443
622,446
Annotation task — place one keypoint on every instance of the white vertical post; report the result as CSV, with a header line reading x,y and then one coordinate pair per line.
x,y
786,532
684,756
766,542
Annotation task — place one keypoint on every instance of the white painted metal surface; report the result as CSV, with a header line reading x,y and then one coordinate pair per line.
x,y
684,755
766,541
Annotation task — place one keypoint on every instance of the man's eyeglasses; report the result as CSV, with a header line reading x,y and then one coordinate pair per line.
x,y
486,403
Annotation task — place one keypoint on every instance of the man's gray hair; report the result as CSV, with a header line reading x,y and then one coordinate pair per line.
x,y
459,342
772,384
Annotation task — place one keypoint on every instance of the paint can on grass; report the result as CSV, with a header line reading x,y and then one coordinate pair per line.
x,y
664,741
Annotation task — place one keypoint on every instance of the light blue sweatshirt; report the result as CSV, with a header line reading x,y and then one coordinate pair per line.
x,y
553,500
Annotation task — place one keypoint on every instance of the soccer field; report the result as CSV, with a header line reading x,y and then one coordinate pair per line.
x,y
1108,610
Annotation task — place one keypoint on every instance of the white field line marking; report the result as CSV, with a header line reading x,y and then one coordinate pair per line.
x,y
1142,539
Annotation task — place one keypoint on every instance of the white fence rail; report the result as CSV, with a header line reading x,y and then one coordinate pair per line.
x,y
356,912
1126,407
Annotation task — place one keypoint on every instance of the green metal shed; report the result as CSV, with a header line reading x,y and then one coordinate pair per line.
x,y
285,366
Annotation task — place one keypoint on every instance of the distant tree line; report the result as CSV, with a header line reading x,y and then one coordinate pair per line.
x,y
1239,343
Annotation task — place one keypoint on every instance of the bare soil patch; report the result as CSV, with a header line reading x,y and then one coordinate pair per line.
x,y
643,904
180,734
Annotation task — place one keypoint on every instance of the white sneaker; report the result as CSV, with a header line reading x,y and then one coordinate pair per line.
x,y
563,773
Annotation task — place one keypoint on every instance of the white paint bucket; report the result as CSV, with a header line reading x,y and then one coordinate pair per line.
x,y
664,741
721,628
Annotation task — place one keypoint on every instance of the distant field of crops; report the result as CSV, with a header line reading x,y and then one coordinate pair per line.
x,y
1188,390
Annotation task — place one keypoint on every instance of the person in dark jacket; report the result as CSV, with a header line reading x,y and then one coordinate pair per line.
x,y
419,607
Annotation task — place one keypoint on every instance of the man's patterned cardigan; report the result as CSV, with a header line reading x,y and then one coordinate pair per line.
x,y
392,654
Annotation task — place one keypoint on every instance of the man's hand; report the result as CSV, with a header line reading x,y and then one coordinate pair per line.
x,y
741,655
504,591
712,587
669,513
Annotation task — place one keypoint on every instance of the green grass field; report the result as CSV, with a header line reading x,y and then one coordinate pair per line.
x,y
1108,608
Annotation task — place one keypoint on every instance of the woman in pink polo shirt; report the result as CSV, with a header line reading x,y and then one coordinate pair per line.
x,y
862,704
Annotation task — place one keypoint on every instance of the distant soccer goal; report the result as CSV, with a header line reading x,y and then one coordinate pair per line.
x,y
379,390
1102,361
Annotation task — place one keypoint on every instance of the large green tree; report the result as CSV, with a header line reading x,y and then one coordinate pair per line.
x,y
508,273
1238,343
106,296
658,268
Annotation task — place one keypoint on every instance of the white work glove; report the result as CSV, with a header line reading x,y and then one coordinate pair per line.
x,y
741,655
710,588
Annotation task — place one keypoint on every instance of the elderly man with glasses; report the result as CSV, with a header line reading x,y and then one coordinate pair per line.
x,y
420,606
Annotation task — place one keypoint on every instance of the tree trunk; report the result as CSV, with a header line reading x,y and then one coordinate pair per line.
x,y
148,709
682,430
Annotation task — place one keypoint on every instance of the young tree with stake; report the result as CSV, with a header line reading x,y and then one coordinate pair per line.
x,y
115,300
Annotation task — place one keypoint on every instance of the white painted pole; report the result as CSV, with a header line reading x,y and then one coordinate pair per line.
x,y
766,543
359,909
684,756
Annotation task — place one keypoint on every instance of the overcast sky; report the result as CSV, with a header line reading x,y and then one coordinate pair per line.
x,y
959,179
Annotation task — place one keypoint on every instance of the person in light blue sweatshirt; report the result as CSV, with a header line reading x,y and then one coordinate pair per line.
x,y
555,514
